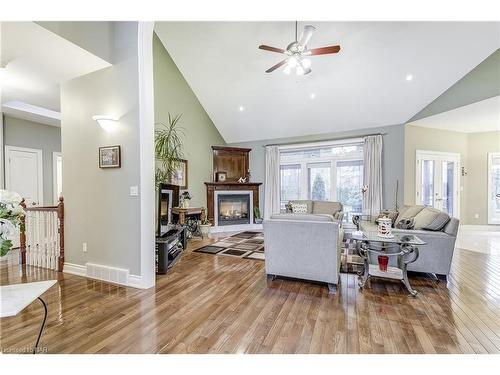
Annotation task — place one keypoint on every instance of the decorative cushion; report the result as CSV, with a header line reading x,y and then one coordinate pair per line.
x,y
288,208
409,212
307,202
405,224
393,215
439,222
299,208
425,217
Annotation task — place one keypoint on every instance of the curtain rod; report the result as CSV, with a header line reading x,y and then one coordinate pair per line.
x,y
324,140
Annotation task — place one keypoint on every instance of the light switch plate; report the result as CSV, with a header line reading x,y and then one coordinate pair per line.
x,y
134,191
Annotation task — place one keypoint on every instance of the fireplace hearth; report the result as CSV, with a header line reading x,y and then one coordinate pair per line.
x,y
233,209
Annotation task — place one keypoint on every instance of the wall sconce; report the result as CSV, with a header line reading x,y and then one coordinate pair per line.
x,y
106,122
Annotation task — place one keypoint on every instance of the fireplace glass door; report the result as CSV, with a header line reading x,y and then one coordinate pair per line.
x,y
233,209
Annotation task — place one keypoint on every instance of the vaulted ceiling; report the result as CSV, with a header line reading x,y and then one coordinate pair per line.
x,y
365,85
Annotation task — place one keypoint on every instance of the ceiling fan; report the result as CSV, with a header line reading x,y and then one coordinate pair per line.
x,y
296,53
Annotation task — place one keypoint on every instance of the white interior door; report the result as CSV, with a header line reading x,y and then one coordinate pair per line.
x,y
437,181
24,173
494,188
57,175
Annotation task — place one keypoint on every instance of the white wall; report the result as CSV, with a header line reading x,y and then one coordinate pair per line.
x,y
99,208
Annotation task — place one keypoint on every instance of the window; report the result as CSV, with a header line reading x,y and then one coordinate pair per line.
x,y
349,184
290,183
331,173
319,181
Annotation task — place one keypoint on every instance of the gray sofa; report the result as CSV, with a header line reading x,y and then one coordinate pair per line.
x,y
323,208
304,246
434,257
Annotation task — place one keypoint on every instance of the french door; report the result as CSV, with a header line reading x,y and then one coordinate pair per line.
x,y
437,181
494,188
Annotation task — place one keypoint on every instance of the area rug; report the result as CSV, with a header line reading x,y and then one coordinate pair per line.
x,y
248,245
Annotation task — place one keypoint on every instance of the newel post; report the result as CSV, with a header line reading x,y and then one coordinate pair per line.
x,y
22,235
60,216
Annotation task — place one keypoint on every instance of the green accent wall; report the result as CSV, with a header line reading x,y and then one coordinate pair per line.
x,y
480,83
173,95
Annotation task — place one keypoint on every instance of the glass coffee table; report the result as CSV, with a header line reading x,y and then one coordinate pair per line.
x,y
401,249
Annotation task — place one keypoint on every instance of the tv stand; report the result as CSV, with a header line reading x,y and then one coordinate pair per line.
x,y
169,248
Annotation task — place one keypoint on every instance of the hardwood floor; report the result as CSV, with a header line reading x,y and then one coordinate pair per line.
x,y
217,304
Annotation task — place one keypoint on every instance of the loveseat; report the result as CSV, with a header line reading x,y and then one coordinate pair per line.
x,y
336,209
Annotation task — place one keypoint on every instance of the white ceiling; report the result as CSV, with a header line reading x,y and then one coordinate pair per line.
x,y
482,116
362,86
38,61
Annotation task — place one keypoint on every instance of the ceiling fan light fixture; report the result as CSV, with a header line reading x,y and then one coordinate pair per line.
x,y
287,69
292,62
306,63
300,70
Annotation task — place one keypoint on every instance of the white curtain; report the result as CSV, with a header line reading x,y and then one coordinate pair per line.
x,y
272,183
372,175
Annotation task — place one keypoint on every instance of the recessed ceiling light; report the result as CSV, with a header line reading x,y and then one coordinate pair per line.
x,y
409,77
312,95
241,108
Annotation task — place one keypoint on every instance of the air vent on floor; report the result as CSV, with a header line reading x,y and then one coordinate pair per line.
x,y
106,273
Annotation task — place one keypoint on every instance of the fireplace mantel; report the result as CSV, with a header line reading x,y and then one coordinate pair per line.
x,y
214,186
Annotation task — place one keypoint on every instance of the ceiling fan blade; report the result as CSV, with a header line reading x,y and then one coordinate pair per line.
x,y
306,35
322,50
272,49
274,67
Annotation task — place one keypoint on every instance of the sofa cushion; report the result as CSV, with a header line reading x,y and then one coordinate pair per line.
x,y
406,223
408,212
325,207
305,201
439,222
425,217
303,217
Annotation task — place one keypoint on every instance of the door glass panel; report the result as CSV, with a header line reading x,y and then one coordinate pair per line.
x,y
349,184
290,183
427,191
448,173
319,181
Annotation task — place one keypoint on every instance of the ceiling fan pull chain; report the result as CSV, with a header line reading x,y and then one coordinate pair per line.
x,y
296,31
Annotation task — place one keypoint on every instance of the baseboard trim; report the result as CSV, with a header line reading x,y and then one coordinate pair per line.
x,y
487,228
75,269
135,281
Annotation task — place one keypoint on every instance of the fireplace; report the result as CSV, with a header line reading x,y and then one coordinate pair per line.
x,y
233,209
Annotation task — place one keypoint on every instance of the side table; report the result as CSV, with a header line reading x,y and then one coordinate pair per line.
x,y
402,247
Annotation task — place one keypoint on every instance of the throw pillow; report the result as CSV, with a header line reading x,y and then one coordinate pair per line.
x,y
299,208
405,224
288,208
409,212
425,217
439,222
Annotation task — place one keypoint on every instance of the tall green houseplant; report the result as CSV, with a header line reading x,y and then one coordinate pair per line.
x,y
168,148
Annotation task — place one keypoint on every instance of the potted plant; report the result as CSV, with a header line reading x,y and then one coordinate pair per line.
x,y
11,213
256,215
205,227
168,148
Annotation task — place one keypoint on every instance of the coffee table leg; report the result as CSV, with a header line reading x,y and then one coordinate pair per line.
x,y
405,281
43,325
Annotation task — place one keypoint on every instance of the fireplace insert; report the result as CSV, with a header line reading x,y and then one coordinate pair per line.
x,y
233,209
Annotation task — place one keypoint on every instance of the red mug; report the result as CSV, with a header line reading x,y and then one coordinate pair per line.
x,y
383,260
